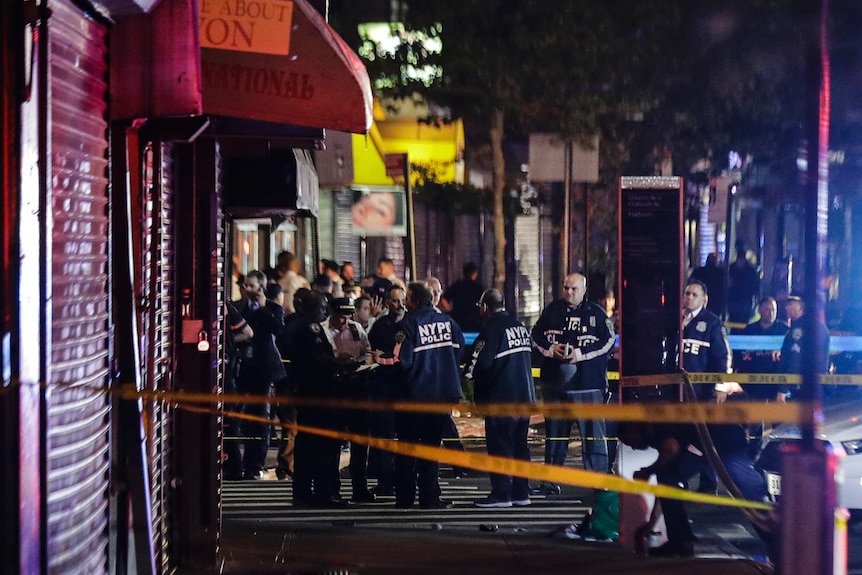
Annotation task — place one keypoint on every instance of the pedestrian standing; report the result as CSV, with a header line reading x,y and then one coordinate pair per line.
x,y
575,337
760,361
267,322
460,299
316,371
237,332
385,387
501,370
705,348
350,344
451,437
428,346
249,379
806,334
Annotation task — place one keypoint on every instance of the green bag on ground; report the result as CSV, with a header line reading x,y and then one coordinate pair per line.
x,y
605,517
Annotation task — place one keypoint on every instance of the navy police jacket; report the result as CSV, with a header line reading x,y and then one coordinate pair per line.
x,y
797,351
428,346
501,367
314,368
704,345
589,330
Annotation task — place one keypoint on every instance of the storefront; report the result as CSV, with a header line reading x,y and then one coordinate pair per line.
x,y
125,129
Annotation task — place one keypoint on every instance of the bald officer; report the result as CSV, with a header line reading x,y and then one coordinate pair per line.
x,y
575,337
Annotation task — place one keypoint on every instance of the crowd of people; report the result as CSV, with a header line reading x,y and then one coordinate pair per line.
x,y
338,337
375,338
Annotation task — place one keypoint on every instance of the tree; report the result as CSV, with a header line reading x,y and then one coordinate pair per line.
x,y
535,63
694,78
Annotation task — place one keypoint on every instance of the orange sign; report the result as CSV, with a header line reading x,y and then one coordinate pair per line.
x,y
260,26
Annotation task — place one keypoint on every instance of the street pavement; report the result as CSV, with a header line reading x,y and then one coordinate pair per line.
x,y
263,534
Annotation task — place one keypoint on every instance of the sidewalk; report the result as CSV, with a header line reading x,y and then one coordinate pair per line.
x,y
334,549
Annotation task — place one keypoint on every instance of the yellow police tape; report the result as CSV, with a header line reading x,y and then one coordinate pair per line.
x,y
742,378
506,466
736,412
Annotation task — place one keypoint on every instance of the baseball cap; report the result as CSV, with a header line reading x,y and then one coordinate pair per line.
x,y
342,306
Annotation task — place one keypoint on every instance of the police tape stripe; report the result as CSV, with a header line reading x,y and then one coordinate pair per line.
x,y
736,412
750,378
506,466
742,378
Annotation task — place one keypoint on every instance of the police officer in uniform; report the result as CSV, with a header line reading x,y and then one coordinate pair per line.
x,y
797,352
760,361
316,371
575,337
385,386
350,344
428,347
704,341
704,349
237,332
502,372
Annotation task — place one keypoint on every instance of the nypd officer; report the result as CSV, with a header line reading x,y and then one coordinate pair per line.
x,y
316,371
501,370
705,348
350,345
385,386
575,337
806,345
428,347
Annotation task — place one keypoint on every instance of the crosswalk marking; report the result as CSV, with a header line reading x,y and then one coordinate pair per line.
x,y
270,502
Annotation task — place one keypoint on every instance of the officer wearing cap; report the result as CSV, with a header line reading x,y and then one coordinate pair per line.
x,y
806,333
501,369
350,344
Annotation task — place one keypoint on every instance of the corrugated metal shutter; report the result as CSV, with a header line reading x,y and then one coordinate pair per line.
x,y
78,411
326,224
528,284
466,246
547,261
158,335
434,243
346,243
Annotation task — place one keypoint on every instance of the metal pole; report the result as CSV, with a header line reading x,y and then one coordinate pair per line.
x,y
567,212
411,229
587,234
807,544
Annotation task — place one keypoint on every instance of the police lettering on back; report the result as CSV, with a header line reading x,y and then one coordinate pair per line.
x,y
518,337
436,332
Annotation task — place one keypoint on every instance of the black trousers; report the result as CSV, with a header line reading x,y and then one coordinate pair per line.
x,y
254,382
381,463
507,437
424,429
315,474
358,422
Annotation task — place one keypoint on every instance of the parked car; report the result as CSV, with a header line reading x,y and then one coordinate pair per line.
x,y
842,428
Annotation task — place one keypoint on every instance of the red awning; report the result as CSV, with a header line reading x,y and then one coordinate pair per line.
x,y
271,60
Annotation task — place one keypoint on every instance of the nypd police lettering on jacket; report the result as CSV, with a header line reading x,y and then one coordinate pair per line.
x,y
436,334
428,346
501,366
